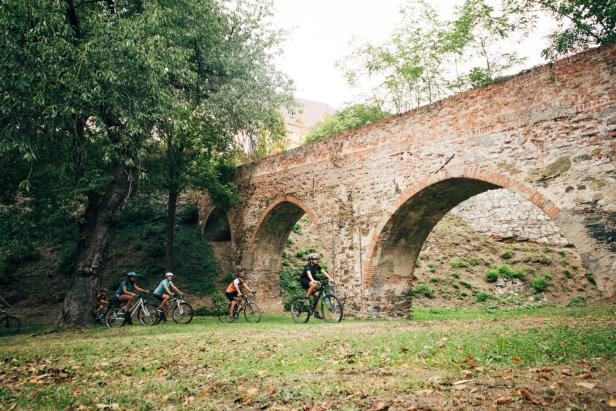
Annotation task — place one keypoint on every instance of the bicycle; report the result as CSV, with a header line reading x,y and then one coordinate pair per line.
x,y
252,312
116,315
181,311
331,308
9,324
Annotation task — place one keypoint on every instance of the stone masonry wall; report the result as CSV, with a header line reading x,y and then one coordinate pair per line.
x,y
503,214
375,193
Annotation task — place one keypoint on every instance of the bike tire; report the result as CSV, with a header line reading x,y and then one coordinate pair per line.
x,y
182,313
148,314
252,312
9,325
300,313
331,308
114,317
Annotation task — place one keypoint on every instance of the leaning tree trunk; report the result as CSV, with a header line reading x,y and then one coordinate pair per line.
x,y
94,235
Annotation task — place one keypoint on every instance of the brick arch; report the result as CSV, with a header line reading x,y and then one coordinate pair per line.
x,y
400,235
217,221
267,244
275,203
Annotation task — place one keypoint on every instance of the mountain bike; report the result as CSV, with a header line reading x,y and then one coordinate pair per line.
x,y
330,307
181,311
252,312
146,313
9,324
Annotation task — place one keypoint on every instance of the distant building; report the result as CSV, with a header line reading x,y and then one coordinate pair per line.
x,y
307,114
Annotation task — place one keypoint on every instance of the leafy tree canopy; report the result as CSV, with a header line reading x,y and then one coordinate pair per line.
x,y
348,118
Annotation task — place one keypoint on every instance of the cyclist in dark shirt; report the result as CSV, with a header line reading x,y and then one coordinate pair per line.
x,y
309,279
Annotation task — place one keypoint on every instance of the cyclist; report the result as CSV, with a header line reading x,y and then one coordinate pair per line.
x,y
308,279
234,291
101,302
163,293
125,293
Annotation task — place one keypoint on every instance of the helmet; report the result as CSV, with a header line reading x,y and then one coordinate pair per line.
x,y
102,290
313,256
131,274
169,273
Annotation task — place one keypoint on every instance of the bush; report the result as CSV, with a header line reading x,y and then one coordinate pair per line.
x,y
568,274
188,215
459,264
466,285
455,274
482,296
542,260
476,261
432,267
422,290
418,263
511,273
508,254
492,275
591,278
577,302
297,229
434,280
540,283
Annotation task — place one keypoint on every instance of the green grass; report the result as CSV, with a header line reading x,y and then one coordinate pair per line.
x,y
219,366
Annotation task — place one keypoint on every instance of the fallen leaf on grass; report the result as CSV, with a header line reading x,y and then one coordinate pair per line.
x,y
114,406
585,376
612,402
516,360
461,382
556,384
528,396
504,400
424,393
160,372
470,360
543,377
588,385
202,394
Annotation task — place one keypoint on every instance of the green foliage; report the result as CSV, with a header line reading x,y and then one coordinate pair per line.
x,y
418,263
492,275
477,261
542,260
568,274
591,278
461,263
466,285
482,296
507,254
540,283
432,267
434,280
348,118
581,23
510,273
297,229
422,290
578,302
455,273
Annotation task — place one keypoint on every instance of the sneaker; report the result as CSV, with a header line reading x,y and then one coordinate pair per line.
x,y
318,315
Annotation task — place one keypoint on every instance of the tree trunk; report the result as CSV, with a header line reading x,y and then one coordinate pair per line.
x,y
94,235
172,203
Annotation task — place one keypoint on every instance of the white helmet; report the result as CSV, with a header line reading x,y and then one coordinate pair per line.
x,y
169,273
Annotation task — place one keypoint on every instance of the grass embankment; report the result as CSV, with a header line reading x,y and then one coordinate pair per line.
x,y
524,358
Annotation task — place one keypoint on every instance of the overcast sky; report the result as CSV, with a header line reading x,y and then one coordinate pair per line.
x,y
320,32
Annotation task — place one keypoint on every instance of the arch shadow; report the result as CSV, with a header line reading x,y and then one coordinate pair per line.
x,y
217,227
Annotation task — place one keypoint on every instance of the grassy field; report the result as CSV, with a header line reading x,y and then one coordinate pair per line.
x,y
540,358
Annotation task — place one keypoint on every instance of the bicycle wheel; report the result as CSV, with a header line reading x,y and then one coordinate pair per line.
x,y
9,325
148,314
252,312
114,316
182,313
331,308
300,311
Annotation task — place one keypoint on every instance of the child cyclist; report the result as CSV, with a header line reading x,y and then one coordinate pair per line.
x,y
101,303
234,291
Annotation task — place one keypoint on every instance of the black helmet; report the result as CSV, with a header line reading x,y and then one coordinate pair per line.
x,y
313,256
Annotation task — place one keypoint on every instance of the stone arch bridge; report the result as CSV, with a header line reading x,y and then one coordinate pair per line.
x,y
375,193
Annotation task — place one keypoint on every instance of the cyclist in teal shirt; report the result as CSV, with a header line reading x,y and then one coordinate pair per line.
x,y
125,293
163,291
